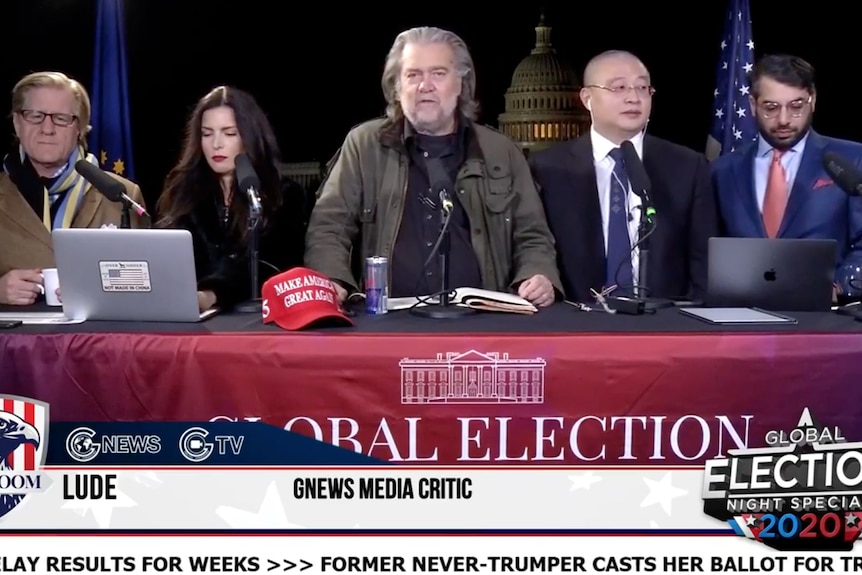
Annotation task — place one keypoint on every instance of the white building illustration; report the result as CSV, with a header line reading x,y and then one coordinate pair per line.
x,y
472,377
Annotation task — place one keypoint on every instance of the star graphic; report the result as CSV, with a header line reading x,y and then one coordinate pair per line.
x,y
103,157
119,167
148,479
270,515
662,492
102,509
583,480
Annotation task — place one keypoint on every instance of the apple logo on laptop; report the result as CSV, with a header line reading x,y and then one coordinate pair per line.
x,y
769,275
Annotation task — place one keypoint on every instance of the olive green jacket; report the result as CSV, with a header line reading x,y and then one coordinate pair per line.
x,y
363,196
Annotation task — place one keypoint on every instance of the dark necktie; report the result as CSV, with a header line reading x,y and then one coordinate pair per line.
x,y
618,261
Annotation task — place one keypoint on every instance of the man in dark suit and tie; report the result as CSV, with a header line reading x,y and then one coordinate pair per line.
x,y
776,186
591,209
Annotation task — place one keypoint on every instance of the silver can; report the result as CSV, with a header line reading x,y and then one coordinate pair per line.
x,y
376,285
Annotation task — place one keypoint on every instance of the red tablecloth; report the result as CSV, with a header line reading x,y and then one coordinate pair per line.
x,y
452,399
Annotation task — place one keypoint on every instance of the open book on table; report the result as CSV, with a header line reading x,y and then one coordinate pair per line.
x,y
479,299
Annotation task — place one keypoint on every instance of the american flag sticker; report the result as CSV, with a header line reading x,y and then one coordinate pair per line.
x,y
125,276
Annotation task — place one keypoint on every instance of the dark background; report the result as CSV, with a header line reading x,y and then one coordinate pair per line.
x,y
316,68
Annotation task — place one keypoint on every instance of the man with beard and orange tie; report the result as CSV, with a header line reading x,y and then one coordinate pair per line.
x,y
777,187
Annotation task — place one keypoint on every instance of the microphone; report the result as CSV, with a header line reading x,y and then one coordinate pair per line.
x,y
638,178
642,187
110,188
248,182
845,174
446,202
446,309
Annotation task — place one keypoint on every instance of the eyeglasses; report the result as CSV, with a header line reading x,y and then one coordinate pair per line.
x,y
620,90
795,108
36,117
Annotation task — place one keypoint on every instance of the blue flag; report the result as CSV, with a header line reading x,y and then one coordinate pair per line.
x,y
111,138
733,124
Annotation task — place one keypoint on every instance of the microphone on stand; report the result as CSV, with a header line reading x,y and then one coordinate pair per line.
x,y
249,183
445,309
642,187
844,172
849,179
111,189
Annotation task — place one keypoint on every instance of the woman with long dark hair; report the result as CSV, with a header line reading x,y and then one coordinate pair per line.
x,y
201,195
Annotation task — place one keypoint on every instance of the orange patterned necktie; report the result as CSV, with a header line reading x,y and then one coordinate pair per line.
x,y
775,200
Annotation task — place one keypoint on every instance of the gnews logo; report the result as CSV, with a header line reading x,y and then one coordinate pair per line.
x,y
801,493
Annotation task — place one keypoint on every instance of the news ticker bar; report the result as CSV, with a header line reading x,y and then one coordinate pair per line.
x,y
342,555
384,498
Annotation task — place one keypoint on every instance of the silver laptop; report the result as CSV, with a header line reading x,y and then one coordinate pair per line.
x,y
127,275
771,274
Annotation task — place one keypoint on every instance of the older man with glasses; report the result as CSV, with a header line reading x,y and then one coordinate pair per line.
x,y
591,195
39,187
776,186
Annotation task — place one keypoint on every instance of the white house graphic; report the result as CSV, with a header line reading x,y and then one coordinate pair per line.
x,y
472,377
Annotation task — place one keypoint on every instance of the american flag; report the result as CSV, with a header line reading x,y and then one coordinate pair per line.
x,y
733,124
130,276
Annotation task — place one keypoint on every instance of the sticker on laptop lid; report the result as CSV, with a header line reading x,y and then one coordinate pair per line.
x,y
125,276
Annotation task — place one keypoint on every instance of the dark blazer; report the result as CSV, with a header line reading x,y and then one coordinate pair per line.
x,y
25,242
685,214
222,266
816,208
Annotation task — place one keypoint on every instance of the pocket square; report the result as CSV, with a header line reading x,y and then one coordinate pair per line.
x,y
822,183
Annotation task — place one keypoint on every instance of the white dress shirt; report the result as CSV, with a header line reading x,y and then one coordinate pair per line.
x,y
604,172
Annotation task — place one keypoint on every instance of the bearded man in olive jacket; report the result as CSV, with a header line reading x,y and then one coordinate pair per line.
x,y
395,178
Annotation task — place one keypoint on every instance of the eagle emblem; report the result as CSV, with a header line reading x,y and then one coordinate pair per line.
x,y
23,447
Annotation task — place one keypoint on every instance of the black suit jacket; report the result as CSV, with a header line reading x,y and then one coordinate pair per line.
x,y
685,206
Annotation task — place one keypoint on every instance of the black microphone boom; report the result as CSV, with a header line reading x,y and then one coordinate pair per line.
x,y
249,183
445,309
642,187
638,179
112,189
844,172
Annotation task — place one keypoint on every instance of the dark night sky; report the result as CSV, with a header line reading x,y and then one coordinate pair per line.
x,y
316,70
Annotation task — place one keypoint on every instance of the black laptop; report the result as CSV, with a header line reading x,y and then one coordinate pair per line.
x,y
771,274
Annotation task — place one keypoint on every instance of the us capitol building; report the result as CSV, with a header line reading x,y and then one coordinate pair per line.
x,y
542,106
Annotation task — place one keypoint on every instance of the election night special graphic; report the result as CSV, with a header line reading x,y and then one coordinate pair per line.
x,y
803,492
23,448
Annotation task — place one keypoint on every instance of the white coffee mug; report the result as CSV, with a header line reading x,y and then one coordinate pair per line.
x,y
51,282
